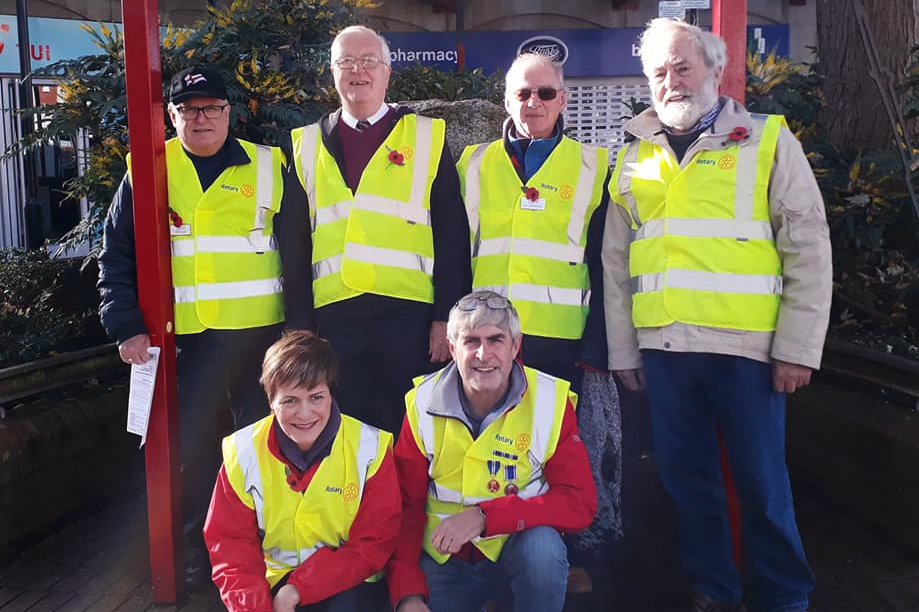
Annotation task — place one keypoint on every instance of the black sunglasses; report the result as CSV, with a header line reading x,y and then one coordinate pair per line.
x,y
545,93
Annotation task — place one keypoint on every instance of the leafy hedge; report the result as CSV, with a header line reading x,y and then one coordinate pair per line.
x,y
47,306
873,228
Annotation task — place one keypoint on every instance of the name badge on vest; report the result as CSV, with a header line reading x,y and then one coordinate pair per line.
x,y
181,230
537,204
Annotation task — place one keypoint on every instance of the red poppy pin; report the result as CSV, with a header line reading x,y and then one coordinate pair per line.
x,y
739,133
530,193
175,218
396,157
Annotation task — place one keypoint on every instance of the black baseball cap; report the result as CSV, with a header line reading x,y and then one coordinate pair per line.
x,y
197,83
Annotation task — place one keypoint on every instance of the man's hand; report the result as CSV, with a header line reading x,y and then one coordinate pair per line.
x,y
789,377
454,531
632,380
134,349
439,351
413,603
286,600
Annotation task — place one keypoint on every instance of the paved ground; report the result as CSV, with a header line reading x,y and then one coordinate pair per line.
x,y
98,562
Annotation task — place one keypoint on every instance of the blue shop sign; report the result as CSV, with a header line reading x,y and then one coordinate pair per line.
x,y
584,53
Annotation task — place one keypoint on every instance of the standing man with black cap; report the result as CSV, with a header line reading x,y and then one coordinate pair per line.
x,y
224,198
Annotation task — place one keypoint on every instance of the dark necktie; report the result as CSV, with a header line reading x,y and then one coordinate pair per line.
x,y
362,125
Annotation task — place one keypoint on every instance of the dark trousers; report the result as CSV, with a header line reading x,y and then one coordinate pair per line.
x,y
218,392
365,597
381,349
691,395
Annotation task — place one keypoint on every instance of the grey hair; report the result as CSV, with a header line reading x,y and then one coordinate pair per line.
x,y
525,60
505,319
659,31
384,46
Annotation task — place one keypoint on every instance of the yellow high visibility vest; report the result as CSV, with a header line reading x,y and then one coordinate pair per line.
x,y
379,239
225,264
295,525
703,250
533,251
464,471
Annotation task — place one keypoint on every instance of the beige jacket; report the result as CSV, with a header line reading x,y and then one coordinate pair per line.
x,y
801,237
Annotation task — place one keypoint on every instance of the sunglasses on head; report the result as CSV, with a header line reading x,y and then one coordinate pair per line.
x,y
473,302
545,93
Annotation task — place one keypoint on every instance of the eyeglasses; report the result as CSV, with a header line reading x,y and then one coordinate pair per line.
x,y
545,93
348,64
473,302
190,113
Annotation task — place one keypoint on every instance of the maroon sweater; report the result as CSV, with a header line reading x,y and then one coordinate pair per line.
x,y
359,147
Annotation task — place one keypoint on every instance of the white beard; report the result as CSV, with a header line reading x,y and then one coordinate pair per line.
x,y
686,114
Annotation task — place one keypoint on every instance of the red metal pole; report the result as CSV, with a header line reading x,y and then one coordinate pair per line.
x,y
154,276
729,21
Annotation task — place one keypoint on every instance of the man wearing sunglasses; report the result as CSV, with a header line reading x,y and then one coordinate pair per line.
x,y
536,201
224,198
492,471
718,284
383,231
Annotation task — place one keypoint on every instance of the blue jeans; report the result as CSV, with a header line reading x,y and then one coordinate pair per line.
x,y
532,572
692,394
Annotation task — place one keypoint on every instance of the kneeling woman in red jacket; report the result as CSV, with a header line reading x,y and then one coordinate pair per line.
x,y
306,509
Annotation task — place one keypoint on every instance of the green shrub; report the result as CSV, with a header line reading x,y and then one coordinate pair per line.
x,y
47,306
425,83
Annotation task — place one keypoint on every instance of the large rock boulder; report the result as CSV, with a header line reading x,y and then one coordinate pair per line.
x,y
468,121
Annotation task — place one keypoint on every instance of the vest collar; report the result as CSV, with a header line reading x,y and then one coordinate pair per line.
x,y
647,126
445,396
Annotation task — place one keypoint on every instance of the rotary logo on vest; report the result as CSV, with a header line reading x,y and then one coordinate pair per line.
x,y
727,162
246,190
522,442
348,492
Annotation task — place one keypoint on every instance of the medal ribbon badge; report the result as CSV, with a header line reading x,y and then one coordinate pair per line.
x,y
494,467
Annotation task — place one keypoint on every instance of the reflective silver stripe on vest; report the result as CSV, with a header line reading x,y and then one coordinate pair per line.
x,y
309,142
628,161
280,559
425,420
264,187
719,282
583,194
366,453
373,255
473,195
549,295
410,211
745,181
226,291
424,134
572,253
248,462
253,243
331,214
705,228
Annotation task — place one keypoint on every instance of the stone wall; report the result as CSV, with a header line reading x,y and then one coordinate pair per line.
x,y
60,453
861,451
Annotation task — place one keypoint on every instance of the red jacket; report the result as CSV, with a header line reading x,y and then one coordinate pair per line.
x,y
569,505
231,534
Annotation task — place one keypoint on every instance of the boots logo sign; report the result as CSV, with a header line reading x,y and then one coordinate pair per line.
x,y
553,48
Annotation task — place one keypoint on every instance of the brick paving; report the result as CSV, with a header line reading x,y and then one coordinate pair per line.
x,y
98,561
